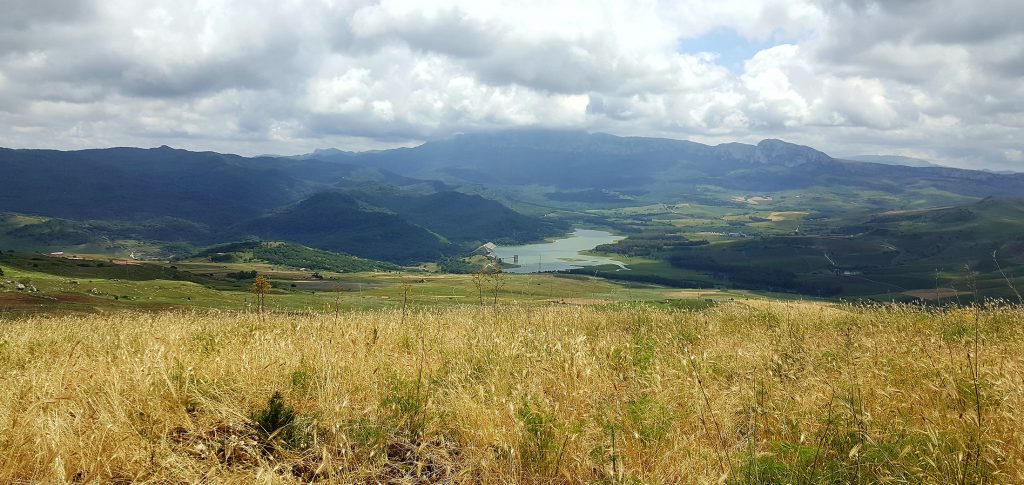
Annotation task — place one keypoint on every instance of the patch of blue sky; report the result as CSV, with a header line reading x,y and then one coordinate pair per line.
x,y
731,49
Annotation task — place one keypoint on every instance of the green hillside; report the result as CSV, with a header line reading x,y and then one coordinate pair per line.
x,y
337,222
899,254
131,184
291,255
465,218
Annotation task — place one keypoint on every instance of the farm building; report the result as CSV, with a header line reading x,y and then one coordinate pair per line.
x,y
487,249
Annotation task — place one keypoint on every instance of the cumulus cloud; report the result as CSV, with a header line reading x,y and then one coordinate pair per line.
x,y
937,79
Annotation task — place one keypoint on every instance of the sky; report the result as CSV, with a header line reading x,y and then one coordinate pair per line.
x,y
934,79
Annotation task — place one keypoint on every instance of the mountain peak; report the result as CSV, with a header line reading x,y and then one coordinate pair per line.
x,y
329,152
778,152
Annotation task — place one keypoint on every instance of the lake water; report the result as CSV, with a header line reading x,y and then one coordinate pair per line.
x,y
560,254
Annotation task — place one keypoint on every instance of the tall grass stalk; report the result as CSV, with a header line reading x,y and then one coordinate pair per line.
x,y
1009,283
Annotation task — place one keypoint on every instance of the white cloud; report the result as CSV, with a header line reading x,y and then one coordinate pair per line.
x,y
935,77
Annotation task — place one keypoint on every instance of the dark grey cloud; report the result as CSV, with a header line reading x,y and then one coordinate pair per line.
x,y
23,15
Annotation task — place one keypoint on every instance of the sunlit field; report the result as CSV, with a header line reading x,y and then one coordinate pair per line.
x,y
743,392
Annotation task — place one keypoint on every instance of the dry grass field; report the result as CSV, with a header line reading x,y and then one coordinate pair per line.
x,y
772,393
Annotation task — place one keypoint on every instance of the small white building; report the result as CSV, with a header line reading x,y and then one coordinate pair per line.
x,y
488,250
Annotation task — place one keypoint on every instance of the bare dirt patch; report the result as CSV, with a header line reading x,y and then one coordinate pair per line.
x,y
786,216
10,297
754,200
125,262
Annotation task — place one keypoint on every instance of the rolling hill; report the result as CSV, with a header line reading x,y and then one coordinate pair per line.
x,y
338,222
464,218
291,255
91,198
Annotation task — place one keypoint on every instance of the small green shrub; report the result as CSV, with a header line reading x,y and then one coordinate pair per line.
x,y
642,352
405,409
275,423
205,343
301,378
649,420
541,443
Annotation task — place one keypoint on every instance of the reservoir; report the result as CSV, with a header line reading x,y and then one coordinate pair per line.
x,y
560,254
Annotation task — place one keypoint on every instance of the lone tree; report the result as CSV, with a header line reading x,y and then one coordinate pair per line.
x,y
479,281
497,277
488,274
260,287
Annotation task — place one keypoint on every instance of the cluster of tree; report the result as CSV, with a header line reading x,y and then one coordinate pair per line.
x,y
242,275
649,244
456,265
235,247
294,255
302,257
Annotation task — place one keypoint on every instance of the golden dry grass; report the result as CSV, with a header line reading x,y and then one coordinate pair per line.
x,y
797,393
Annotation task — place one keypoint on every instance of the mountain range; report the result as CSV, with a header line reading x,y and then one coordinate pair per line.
x,y
438,199
580,160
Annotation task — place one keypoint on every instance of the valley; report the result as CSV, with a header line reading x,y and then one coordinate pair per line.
x,y
773,218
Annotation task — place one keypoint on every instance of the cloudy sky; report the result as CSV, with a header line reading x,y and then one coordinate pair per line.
x,y
937,79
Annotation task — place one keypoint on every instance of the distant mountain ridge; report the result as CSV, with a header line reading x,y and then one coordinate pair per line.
x,y
582,160
892,160
579,160
408,204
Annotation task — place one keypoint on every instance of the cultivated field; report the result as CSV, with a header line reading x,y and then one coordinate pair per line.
x,y
743,392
